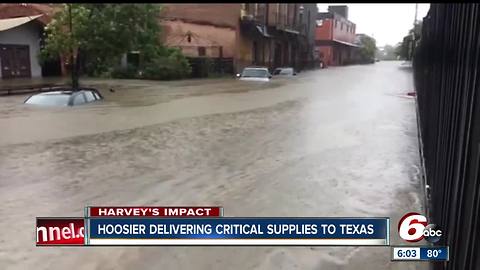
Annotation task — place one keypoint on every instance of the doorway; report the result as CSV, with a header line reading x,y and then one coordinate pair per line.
x,y
277,59
15,61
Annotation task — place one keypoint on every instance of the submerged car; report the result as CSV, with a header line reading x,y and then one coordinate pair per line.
x,y
65,98
255,74
285,71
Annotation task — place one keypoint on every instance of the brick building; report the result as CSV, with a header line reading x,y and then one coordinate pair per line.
x,y
335,37
270,34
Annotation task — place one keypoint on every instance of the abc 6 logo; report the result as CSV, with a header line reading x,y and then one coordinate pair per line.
x,y
413,227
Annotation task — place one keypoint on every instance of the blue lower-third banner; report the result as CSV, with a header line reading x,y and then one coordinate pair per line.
x,y
238,231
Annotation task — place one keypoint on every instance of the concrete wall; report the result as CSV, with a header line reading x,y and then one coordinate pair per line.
x,y
26,34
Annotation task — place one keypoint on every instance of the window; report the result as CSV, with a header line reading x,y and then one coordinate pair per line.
x,y
253,72
202,51
341,26
348,28
319,22
50,100
336,23
78,99
133,58
89,96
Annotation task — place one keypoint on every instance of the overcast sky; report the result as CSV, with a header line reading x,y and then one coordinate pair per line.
x,y
387,23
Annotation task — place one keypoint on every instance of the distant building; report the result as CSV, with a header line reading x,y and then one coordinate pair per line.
x,y
335,36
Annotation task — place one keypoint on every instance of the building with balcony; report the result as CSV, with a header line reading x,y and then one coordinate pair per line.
x,y
267,34
274,35
335,37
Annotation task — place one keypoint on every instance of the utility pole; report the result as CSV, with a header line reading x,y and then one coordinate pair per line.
x,y
413,32
416,13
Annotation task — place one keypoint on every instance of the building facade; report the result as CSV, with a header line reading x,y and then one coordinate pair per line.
x,y
21,31
335,37
276,35
266,34
200,30
238,35
205,33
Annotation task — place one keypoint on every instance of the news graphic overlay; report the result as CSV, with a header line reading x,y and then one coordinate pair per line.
x,y
60,231
204,226
63,231
153,211
413,227
225,231
420,253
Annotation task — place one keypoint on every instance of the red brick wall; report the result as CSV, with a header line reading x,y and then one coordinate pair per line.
x,y
343,34
328,31
324,32
327,54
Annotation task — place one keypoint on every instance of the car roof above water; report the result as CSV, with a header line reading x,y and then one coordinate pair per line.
x,y
262,68
55,93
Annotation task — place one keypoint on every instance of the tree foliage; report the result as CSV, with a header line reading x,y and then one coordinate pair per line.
x,y
388,53
409,42
101,33
164,64
368,49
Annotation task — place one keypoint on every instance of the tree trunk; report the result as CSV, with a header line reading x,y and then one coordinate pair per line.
x,y
74,72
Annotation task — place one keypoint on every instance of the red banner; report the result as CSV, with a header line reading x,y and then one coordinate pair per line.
x,y
60,231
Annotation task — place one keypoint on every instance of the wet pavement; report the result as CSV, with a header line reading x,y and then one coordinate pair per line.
x,y
334,142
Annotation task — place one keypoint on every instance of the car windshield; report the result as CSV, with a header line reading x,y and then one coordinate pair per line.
x,y
261,73
49,100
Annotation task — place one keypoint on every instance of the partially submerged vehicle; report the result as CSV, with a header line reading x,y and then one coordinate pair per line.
x,y
65,97
255,74
284,71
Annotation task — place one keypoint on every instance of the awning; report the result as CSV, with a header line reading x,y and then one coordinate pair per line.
x,y
291,31
6,24
346,43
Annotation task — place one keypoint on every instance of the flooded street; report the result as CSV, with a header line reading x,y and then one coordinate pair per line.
x,y
333,142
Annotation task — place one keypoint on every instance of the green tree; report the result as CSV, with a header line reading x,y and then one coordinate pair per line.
x,y
407,46
101,34
388,53
368,49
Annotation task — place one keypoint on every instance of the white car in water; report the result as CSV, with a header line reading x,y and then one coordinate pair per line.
x,y
259,74
284,71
